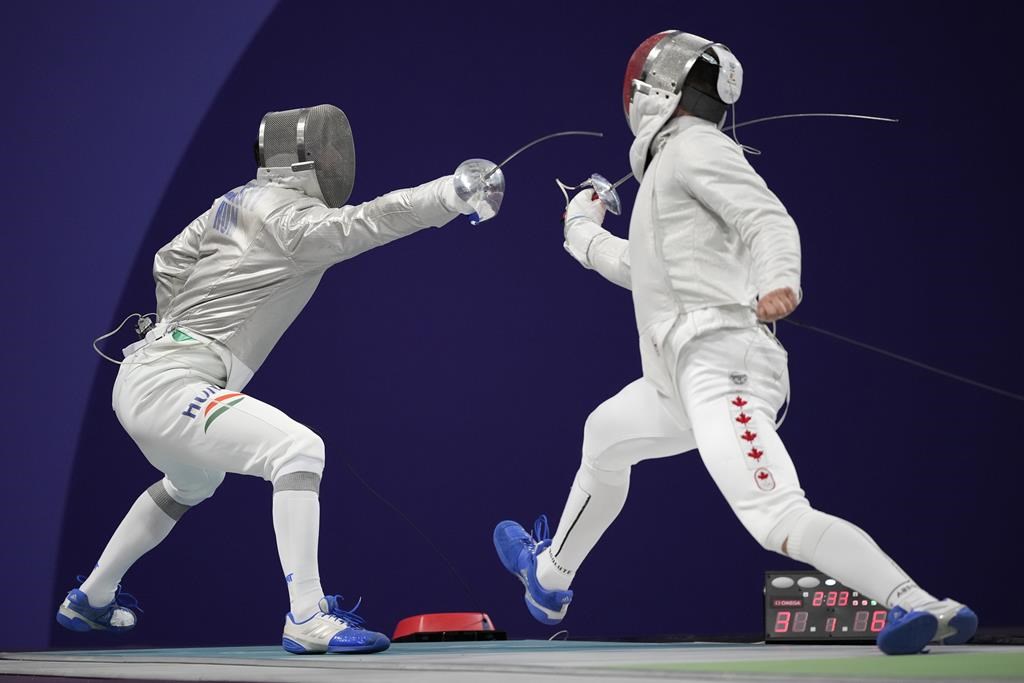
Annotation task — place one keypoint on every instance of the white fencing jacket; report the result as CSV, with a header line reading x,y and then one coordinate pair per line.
x,y
706,238
241,272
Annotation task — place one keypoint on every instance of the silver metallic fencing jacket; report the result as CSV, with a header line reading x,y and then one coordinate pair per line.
x,y
239,274
706,238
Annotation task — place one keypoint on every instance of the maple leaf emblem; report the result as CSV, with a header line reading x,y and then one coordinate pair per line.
x,y
743,418
739,402
763,475
755,454
748,435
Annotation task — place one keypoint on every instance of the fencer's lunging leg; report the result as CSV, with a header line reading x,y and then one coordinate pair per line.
x,y
734,426
840,549
778,515
631,426
147,523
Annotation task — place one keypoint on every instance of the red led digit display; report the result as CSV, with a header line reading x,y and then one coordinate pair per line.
x,y
860,621
782,622
819,596
831,601
844,598
830,625
800,622
878,621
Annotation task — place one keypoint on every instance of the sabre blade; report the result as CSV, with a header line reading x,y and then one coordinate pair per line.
x,y
539,140
777,117
827,115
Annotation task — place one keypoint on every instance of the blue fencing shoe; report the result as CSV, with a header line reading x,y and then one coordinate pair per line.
x,y
518,552
332,629
76,614
907,633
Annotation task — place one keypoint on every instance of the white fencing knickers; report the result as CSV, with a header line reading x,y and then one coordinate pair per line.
x,y
727,387
169,397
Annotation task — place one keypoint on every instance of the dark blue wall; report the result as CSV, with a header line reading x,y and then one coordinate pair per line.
x,y
454,369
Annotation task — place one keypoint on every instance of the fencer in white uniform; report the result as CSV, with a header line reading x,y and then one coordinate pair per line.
x,y
227,287
712,254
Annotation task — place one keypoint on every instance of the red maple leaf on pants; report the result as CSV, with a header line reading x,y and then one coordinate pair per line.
x,y
748,435
738,401
755,454
763,475
743,418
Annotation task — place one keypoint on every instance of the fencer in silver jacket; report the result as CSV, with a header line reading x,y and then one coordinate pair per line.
x,y
241,272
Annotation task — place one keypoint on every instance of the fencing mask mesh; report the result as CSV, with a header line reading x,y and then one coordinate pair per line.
x,y
321,135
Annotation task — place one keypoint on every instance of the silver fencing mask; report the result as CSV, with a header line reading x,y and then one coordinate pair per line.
x,y
312,138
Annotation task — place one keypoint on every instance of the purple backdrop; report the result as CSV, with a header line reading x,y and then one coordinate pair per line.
x,y
454,369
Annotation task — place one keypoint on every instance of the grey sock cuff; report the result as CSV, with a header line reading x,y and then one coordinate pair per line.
x,y
298,481
163,500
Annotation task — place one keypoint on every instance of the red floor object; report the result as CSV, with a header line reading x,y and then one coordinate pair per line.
x,y
447,626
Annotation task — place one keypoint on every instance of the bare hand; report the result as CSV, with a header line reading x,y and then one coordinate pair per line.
x,y
776,304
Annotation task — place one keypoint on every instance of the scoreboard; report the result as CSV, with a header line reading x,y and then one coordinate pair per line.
x,y
811,607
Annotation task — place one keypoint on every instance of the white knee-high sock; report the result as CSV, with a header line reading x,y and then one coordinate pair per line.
x,y
297,527
595,500
847,553
141,530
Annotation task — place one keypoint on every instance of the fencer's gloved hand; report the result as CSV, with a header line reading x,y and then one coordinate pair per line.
x,y
583,218
585,205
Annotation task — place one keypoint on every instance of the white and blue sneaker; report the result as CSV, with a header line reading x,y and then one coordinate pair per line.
x,y
332,629
518,553
945,622
76,614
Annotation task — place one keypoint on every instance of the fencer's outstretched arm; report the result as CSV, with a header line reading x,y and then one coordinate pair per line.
x,y
593,246
321,236
175,260
712,168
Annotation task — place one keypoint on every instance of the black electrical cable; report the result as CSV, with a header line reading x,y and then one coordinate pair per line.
x,y
905,359
398,511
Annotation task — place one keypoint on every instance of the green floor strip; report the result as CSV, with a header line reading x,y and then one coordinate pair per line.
x,y
1009,666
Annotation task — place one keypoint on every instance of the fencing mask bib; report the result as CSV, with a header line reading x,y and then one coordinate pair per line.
x,y
312,138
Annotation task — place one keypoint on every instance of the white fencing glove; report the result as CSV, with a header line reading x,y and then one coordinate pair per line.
x,y
585,205
583,218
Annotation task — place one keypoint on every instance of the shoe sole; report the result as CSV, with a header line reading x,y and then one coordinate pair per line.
x,y
960,628
297,647
911,636
540,613
73,621
359,649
